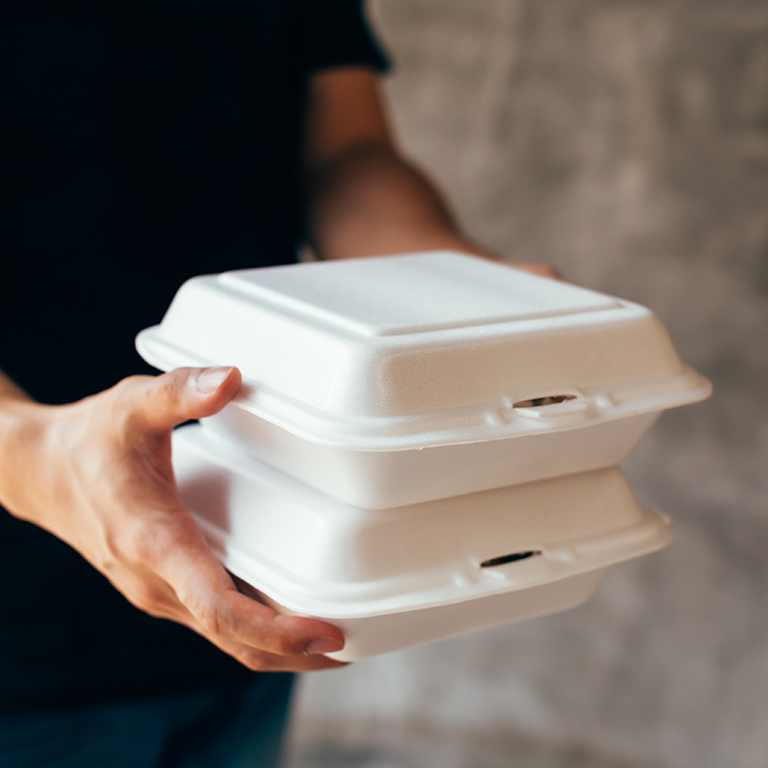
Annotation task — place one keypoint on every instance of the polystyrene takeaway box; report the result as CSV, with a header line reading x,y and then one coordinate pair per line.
x,y
397,577
394,380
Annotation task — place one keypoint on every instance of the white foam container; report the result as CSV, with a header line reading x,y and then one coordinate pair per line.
x,y
395,380
398,577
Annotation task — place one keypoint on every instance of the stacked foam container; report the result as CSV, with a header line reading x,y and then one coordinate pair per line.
x,y
424,444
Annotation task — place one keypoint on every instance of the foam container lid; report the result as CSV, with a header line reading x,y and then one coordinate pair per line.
x,y
318,556
418,350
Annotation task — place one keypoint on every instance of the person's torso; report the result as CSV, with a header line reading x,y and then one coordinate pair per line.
x,y
141,142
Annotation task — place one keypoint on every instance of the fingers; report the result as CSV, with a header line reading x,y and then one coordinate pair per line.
x,y
262,661
162,603
163,402
252,657
223,614
544,270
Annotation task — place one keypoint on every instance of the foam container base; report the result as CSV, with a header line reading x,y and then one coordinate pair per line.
x,y
396,577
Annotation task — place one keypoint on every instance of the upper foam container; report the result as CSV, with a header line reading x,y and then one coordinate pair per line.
x,y
394,380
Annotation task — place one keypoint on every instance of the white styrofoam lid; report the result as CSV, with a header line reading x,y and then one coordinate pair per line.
x,y
319,556
408,351
414,294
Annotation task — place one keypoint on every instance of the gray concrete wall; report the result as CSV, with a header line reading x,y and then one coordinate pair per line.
x,y
625,142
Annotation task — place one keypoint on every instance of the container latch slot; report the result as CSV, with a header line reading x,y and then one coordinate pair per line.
x,y
537,402
504,559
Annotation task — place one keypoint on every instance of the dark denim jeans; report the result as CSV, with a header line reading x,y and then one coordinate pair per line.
x,y
237,727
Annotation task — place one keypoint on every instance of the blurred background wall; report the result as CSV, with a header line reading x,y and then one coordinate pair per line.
x,y
626,143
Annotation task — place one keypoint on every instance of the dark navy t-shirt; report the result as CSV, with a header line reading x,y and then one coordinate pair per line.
x,y
141,142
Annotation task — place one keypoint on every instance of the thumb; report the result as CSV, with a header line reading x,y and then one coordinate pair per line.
x,y
186,393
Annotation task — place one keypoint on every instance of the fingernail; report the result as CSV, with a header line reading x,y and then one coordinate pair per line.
x,y
325,645
210,380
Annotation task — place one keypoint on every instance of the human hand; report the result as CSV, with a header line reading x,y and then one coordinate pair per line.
x,y
543,270
98,475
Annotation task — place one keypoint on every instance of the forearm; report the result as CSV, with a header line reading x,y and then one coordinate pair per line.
x,y
19,429
364,198
368,201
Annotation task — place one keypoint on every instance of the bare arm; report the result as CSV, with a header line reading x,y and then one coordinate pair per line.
x,y
98,475
365,199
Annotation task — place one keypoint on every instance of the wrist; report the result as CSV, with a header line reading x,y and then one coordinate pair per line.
x,y
22,426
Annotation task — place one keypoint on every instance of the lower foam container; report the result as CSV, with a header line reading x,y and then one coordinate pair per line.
x,y
399,577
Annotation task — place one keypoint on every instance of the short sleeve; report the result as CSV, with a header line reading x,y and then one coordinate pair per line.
x,y
336,33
